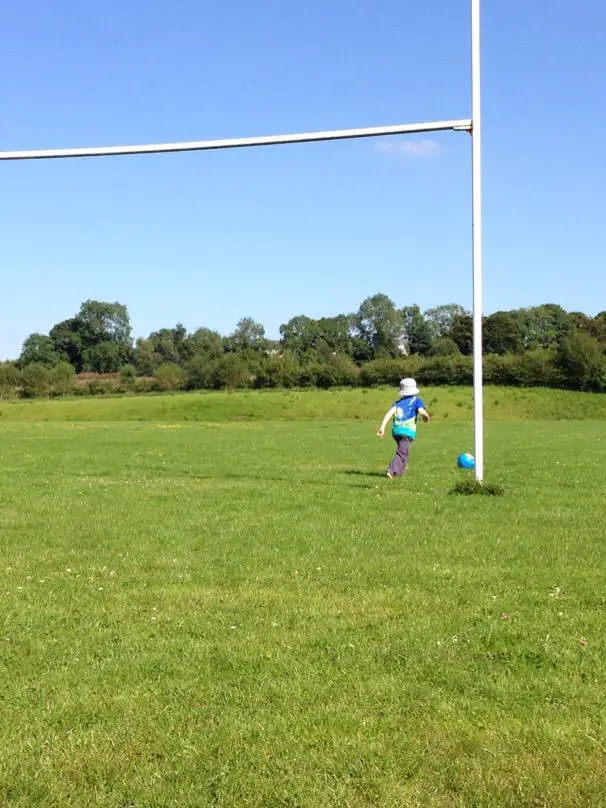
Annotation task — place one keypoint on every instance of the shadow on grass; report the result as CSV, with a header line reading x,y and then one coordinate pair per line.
x,y
363,473
274,478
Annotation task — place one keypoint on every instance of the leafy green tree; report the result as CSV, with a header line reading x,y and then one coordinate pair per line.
x,y
441,318
461,332
579,322
248,336
361,351
501,334
335,335
419,335
301,336
597,328
542,326
104,322
106,357
179,337
381,326
165,345
67,341
146,360
202,343
79,339
39,349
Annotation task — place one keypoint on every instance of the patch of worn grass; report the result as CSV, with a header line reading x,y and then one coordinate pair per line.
x,y
475,487
249,614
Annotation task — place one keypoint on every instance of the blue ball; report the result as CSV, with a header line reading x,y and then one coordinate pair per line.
x,y
466,461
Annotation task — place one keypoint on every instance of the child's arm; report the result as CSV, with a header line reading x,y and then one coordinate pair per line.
x,y
424,414
388,415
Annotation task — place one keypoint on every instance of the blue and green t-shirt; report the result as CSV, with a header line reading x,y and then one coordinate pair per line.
x,y
405,418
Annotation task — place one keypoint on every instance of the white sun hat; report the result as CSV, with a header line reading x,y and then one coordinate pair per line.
x,y
408,387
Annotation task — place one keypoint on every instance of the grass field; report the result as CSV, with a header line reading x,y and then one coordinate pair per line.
x,y
247,613
445,403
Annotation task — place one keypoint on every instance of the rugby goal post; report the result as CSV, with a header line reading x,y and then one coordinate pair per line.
x,y
472,125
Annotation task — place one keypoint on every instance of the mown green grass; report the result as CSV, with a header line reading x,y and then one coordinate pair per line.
x,y
248,614
446,403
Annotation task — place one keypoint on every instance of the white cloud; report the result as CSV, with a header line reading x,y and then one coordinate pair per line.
x,y
409,148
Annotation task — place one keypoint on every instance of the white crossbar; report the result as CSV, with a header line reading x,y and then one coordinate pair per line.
x,y
238,143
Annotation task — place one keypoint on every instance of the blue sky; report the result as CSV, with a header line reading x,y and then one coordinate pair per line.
x,y
205,239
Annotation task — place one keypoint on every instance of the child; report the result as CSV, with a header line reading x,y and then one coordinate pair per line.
x,y
404,428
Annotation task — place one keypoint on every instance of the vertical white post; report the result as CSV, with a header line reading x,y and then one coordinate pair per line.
x,y
476,161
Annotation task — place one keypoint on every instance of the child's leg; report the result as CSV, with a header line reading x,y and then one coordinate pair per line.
x,y
398,465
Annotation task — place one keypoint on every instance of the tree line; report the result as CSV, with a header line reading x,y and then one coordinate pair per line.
x,y
94,351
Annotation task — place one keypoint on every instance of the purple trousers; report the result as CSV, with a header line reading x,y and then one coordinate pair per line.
x,y
398,465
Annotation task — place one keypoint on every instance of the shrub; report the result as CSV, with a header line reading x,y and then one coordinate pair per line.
x,y
445,347
169,376
389,371
308,376
538,369
199,374
10,380
143,384
35,380
63,378
535,368
100,386
231,372
338,371
582,362
128,376
446,370
278,371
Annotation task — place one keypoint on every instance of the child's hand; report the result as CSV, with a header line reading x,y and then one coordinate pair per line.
x,y
426,418
380,433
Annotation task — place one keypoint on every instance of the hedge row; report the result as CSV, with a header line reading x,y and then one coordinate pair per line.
x,y
539,368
